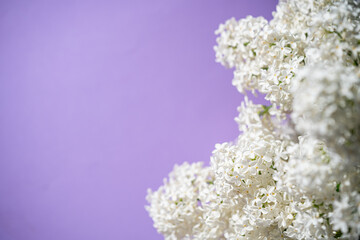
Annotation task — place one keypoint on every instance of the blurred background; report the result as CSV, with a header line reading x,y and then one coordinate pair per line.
x,y
98,101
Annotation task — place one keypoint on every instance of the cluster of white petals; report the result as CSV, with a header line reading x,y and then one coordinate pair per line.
x,y
177,207
327,106
294,170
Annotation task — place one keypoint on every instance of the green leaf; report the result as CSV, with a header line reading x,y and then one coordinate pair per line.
x,y
233,47
338,234
253,51
338,187
265,110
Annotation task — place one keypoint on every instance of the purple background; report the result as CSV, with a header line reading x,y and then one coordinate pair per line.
x,y
98,101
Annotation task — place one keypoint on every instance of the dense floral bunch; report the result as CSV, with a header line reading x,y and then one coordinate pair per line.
x,y
294,171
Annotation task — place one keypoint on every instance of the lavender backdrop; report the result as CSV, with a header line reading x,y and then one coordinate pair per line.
x,y
98,101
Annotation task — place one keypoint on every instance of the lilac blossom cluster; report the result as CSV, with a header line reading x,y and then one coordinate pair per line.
x,y
294,170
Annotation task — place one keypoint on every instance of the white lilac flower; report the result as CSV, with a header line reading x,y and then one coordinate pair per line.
x,y
235,43
244,173
327,106
294,170
346,215
312,169
177,206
